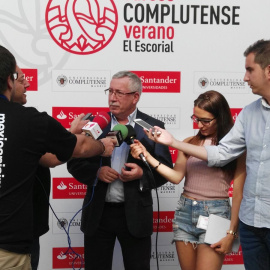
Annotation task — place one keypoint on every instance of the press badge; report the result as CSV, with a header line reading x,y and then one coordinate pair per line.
x,y
202,222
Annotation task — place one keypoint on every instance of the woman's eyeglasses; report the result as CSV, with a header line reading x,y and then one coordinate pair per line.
x,y
204,121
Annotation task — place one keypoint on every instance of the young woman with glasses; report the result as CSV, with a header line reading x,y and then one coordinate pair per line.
x,y
205,189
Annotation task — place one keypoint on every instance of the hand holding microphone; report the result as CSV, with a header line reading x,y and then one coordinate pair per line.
x,y
94,128
118,134
77,124
127,134
130,140
108,144
137,148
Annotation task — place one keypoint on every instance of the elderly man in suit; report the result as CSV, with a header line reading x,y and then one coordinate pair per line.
x,y
122,204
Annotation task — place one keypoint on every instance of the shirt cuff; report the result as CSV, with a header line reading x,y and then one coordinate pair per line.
x,y
213,158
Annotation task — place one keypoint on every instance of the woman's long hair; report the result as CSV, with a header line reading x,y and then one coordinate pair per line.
x,y
216,104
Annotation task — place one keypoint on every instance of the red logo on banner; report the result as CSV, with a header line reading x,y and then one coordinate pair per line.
x,y
234,113
65,115
174,153
165,221
160,81
82,27
31,75
68,188
64,258
234,257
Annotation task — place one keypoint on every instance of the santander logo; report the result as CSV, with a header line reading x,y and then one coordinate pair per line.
x,y
62,186
61,115
61,256
82,26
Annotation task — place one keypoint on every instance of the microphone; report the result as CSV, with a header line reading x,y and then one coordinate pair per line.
x,y
130,139
118,134
94,128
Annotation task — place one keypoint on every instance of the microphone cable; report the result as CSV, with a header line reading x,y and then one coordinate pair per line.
x,y
158,210
63,224
130,139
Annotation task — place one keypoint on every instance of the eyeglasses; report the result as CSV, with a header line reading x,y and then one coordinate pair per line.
x,y
204,121
21,77
118,93
15,75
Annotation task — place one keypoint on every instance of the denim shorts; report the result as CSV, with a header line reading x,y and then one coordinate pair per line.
x,y
187,214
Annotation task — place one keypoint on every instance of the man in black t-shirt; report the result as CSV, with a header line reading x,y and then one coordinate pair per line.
x,y
25,136
42,183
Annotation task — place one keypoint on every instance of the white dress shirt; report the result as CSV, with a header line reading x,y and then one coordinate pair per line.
x,y
251,132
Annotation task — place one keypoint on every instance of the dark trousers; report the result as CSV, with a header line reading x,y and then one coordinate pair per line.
x,y
99,248
255,244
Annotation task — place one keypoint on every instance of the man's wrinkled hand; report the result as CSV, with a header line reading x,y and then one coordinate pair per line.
x,y
132,171
107,174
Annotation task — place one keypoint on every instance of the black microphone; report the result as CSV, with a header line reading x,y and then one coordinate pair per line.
x,y
130,139
118,134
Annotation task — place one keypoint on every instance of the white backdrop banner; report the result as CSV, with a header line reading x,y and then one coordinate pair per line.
x,y
69,51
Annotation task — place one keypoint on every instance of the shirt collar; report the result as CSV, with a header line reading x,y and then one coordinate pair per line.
x,y
265,104
131,118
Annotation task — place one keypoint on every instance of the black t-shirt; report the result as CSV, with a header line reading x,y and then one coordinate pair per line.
x,y
41,194
25,135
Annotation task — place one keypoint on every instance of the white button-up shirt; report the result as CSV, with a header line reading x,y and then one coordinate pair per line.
x,y
251,132
115,191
